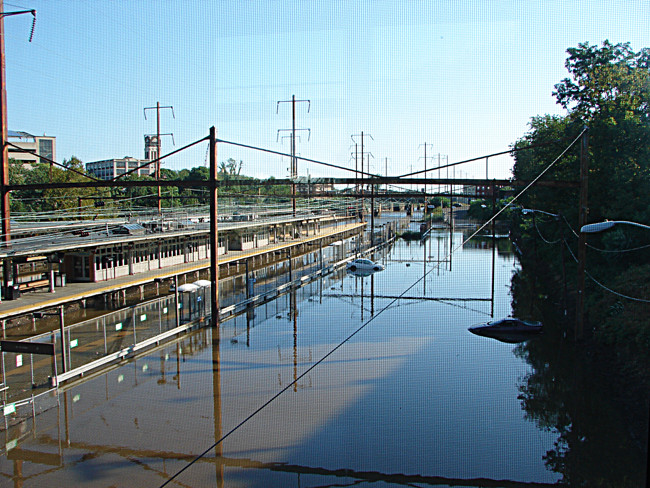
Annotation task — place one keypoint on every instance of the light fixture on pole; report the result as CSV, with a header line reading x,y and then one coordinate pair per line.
x,y
608,224
527,211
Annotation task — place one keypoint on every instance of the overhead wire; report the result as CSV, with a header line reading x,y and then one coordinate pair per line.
x,y
606,288
600,249
541,236
365,324
510,151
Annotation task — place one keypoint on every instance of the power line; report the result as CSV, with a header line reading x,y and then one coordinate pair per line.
x,y
247,146
510,151
600,249
361,327
643,300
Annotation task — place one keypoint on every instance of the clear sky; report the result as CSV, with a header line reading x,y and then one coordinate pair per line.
x,y
465,77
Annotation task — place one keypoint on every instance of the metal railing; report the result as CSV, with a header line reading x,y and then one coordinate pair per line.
x,y
90,345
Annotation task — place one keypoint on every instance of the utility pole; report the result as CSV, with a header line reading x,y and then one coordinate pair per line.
x,y
356,172
362,157
294,161
214,231
582,238
386,171
425,173
4,178
5,212
158,145
372,215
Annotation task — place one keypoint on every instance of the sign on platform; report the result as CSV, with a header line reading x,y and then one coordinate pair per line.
x,y
28,347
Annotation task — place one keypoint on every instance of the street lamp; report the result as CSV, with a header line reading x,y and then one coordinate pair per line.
x,y
608,224
591,229
526,211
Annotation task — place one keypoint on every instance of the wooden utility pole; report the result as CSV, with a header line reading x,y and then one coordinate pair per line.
x,y
362,156
372,215
294,159
4,167
425,165
582,238
362,177
4,162
386,171
356,167
214,230
294,163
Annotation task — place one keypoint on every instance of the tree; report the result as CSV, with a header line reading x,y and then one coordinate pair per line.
x,y
230,168
609,91
50,199
142,196
200,173
607,81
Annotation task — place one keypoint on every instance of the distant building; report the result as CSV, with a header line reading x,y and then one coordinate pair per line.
x,y
150,147
306,185
37,146
110,168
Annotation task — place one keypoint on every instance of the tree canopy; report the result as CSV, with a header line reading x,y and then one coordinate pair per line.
x,y
608,91
127,198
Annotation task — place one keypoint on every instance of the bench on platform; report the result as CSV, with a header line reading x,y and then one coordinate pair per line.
x,y
32,285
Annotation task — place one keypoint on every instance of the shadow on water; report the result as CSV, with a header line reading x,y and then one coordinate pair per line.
x,y
599,414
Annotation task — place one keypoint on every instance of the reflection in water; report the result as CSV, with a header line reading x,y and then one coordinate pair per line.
x,y
413,399
216,396
506,337
600,415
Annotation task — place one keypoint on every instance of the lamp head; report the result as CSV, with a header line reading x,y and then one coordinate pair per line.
x,y
597,227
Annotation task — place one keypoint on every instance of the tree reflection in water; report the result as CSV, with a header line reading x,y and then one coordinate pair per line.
x,y
601,416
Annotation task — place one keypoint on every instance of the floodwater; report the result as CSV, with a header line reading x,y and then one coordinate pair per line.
x,y
348,381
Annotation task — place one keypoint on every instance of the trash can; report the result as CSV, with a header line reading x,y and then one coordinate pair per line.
x,y
59,279
12,292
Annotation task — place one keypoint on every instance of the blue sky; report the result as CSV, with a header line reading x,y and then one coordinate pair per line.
x,y
463,76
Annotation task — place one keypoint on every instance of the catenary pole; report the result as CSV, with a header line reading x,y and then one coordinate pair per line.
x,y
582,238
214,231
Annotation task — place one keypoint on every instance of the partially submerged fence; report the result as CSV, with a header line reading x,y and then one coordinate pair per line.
x,y
96,343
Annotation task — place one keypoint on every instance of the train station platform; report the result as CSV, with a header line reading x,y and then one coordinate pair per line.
x,y
42,299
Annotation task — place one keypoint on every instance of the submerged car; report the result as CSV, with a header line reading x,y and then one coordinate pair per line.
x,y
509,330
362,264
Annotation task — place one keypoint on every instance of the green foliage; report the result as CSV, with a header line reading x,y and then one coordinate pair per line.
x,y
481,209
49,199
230,169
127,198
608,90
610,81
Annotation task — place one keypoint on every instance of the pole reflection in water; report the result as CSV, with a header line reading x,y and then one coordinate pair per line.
x,y
293,306
413,398
216,395
424,266
494,253
360,278
372,295
250,317
177,376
